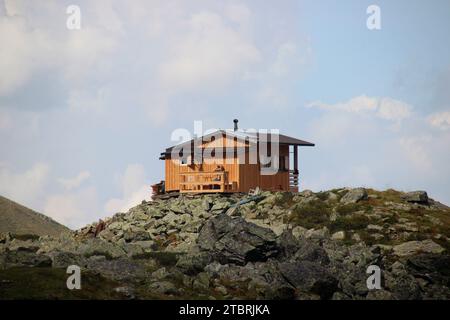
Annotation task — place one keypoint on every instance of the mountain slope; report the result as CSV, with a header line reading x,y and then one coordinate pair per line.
x,y
17,219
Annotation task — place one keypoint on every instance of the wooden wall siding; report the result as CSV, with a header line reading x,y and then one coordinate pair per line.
x,y
250,176
279,181
174,168
247,176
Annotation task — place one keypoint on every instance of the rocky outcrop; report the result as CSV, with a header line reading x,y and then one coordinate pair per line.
x,y
273,246
234,240
414,247
354,195
416,197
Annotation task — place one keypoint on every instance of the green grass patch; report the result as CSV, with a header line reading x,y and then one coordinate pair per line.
x,y
25,237
50,284
355,222
283,199
164,259
347,209
312,215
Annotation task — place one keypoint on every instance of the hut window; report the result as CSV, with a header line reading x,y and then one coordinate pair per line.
x,y
186,160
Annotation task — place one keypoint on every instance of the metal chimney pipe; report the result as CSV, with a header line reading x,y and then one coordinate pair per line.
x,y
235,124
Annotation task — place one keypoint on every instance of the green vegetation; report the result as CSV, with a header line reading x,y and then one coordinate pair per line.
x,y
322,196
25,237
311,215
354,222
164,259
50,283
283,199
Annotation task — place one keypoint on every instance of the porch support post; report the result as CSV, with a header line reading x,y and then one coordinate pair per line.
x,y
296,159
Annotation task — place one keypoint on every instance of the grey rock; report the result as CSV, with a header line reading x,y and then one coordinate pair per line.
x,y
206,204
193,263
414,247
201,281
310,251
61,259
379,295
416,197
374,227
127,292
107,235
160,274
340,235
20,258
96,247
299,232
220,206
280,291
164,287
234,240
221,290
137,235
133,250
354,195
20,245
122,269
318,234
310,277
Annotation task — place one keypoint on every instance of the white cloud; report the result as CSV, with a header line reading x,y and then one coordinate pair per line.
x,y
5,120
416,152
84,101
356,146
73,209
391,109
209,55
440,120
290,62
288,59
24,187
32,43
85,51
238,13
135,188
20,48
75,182
384,108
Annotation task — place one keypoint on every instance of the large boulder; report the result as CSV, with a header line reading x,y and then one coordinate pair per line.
x,y
98,247
61,259
193,263
354,195
309,251
416,197
234,240
20,258
310,277
414,247
23,245
121,269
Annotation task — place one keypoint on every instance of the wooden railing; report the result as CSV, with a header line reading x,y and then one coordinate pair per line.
x,y
293,180
197,182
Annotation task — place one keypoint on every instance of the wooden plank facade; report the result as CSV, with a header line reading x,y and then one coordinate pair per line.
x,y
232,172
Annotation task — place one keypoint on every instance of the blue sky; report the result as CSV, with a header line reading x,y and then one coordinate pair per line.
x,y
85,113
